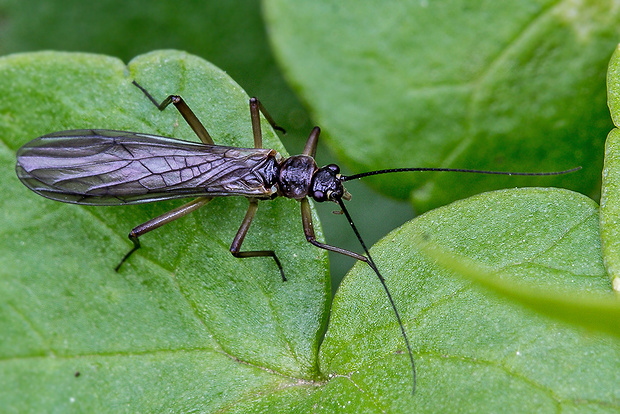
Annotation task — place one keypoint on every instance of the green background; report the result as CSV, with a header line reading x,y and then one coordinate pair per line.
x,y
528,324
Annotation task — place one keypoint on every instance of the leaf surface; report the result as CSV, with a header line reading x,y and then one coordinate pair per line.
x,y
182,312
184,326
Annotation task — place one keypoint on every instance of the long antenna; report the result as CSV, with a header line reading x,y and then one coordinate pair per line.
x,y
394,170
371,262
372,265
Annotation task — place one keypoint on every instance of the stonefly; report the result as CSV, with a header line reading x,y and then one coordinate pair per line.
x,y
104,167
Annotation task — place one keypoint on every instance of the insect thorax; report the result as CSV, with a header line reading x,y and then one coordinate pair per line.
x,y
295,176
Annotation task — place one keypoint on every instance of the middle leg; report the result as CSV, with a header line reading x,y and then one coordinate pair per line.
x,y
256,108
235,247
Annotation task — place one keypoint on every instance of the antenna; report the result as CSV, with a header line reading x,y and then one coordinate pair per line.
x,y
395,170
372,265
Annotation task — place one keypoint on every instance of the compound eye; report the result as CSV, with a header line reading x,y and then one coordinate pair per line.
x,y
333,167
319,196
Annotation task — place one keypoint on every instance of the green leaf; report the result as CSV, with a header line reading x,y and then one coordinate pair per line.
x,y
594,311
610,195
613,87
183,324
513,86
230,34
475,351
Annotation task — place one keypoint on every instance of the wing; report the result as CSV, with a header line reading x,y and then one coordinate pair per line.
x,y
104,167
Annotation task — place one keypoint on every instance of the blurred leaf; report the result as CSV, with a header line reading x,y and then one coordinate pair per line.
x,y
513,86
230,34
610,196
599,312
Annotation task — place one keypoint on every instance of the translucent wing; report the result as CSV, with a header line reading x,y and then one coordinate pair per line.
x,y
104,167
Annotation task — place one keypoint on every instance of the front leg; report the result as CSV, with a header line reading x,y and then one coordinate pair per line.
x,y
306,217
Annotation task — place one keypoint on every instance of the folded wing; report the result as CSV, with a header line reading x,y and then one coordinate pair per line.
x,y
104,167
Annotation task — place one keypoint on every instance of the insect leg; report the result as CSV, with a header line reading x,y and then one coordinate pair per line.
x,y
160,221
255,107
243,230
189,116
306,218
312,142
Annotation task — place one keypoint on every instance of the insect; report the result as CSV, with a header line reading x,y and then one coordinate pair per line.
x,y
105,167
